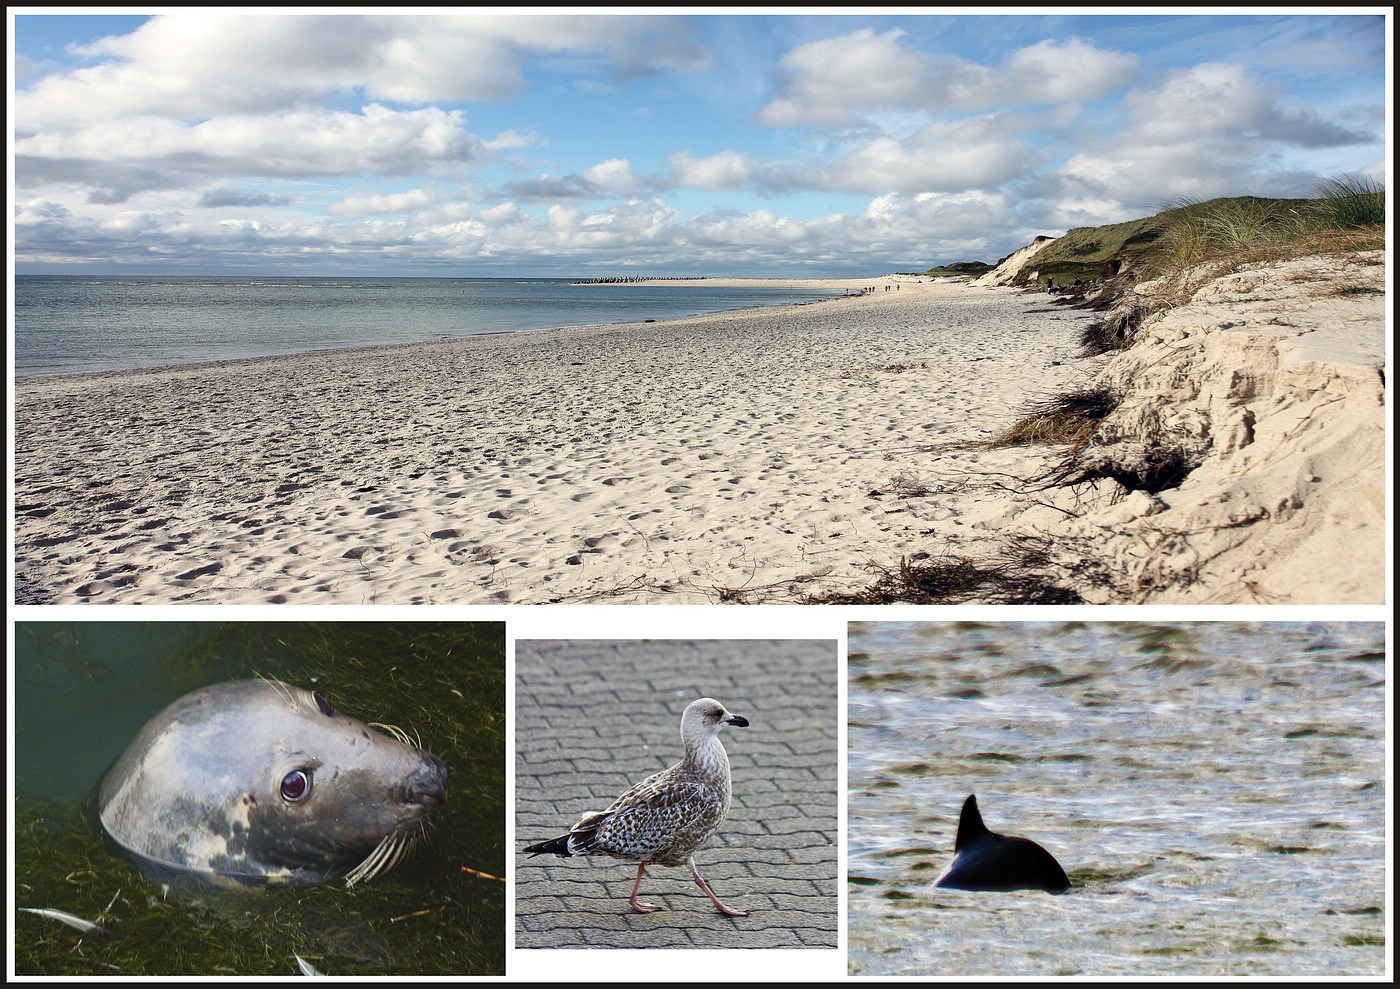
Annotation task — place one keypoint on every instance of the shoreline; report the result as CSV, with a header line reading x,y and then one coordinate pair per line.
x,y
683,461
825,284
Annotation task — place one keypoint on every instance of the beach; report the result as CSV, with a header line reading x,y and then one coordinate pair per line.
x,y
680,462
757,456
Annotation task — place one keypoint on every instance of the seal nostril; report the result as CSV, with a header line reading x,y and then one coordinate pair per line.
x,y
327,708
428,782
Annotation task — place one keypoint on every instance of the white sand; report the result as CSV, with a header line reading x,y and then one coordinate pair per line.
x,y
647,462
751,456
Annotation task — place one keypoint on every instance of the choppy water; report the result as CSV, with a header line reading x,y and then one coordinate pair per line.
x,y
83,690
1216,792
70,324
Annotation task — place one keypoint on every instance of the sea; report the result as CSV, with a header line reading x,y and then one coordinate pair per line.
x,y
1216,792
68,324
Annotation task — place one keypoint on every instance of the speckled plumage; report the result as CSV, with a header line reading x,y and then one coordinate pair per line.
x,y
666,817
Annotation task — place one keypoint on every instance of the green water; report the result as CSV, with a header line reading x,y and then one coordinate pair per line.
x,y
83,689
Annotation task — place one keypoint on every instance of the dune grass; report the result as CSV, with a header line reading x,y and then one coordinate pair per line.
x,y
1190,241
1202,241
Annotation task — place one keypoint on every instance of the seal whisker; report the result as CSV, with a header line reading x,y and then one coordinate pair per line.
x,y
284,689
370,867
383,858
400,848
395,731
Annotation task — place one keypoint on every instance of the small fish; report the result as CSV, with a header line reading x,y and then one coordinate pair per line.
x,y
63,916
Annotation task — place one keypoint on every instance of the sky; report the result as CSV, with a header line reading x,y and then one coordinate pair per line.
x,y
559,143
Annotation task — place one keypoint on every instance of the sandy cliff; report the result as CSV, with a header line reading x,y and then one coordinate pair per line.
x,y
1009,266
1271,382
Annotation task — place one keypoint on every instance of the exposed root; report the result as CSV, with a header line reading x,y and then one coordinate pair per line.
x,y
1069,419
1018,578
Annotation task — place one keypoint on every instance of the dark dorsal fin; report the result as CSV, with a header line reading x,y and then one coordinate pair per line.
x,y
970,826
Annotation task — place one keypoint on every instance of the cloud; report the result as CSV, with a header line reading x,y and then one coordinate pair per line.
x,y
389,204
734,170
831,81
193,66
564,234
967,153
726,170
225,196
1217,99
843,82
187,97
1069,71
971,153
610,179
132,155
1205,131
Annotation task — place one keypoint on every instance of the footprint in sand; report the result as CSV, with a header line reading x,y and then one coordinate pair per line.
x,y
96,588
384,513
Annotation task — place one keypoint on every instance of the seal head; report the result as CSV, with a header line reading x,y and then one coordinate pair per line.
x,y
259,781
988,862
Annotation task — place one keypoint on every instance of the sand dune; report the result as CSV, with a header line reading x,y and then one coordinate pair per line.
x,y
1272,380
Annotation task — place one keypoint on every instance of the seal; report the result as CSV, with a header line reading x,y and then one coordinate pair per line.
x,y
994,863
259,781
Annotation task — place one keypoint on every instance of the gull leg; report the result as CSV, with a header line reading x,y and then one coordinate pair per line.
x,y
641,907
695,873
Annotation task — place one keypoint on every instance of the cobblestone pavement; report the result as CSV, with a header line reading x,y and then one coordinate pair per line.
x,y
593,717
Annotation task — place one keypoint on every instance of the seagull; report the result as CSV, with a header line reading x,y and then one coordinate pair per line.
x,y
666,817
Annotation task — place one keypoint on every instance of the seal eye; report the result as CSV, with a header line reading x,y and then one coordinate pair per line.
x,y
324,705
295,786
